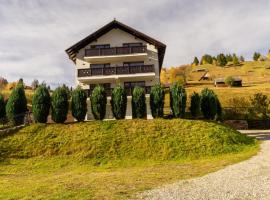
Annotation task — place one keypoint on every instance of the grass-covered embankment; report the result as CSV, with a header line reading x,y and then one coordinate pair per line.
x,y
113,159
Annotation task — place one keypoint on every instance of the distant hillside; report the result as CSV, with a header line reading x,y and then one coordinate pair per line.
x,y
250,72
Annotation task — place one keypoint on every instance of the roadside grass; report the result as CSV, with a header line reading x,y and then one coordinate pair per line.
x,y
114,159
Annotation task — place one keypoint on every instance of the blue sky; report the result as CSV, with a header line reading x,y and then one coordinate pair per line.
x,y
35,33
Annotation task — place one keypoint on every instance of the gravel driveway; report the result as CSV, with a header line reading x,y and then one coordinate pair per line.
x,y
249,180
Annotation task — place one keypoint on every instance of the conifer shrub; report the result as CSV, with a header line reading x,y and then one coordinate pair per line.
x,y
2,109
208,104
219,109
79,104
138,103
59,105
178,98
16,107
98,102
195,101
119,102
157,95
41,104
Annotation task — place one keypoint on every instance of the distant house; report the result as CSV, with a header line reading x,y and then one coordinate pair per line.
x,y
200,70
220,82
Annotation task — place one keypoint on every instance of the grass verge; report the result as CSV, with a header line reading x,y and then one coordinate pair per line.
x,y
113,160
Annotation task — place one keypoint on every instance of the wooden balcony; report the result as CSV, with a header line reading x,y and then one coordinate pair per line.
x,y
147,90
117,70
115,51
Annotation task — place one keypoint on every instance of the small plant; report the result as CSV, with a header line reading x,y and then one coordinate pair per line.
x,y
98,102
195,105
17,105
78,104
208,104
119,102
229,80
138,103
41,104
59,105
178,98
2,109
157,95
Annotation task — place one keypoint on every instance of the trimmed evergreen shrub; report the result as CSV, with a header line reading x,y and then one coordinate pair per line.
x,y
195,101
98,102
2,108
219,109
79,104
157,95
17,105
178,98
138,103
208,104
41,104
119,102
59,105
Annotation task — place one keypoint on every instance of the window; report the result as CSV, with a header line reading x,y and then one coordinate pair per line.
x,y
100,46
137,44
133,84
100,65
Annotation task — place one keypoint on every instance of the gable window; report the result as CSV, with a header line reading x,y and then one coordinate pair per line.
x,y
100,46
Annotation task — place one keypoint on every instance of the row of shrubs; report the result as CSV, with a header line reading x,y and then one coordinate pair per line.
x,y
205,103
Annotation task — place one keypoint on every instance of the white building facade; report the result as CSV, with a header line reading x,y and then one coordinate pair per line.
x,y
117,54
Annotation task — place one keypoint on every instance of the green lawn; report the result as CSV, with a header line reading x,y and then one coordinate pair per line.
x,y
113,159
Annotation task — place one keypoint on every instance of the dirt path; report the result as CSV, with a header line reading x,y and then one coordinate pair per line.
x,y
249,180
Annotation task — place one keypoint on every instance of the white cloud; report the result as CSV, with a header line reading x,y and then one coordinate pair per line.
x,y
35,33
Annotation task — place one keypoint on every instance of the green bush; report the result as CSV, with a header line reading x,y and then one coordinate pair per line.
x,y
260,107
157,95
208,104
2,108
41,104
119,102
229,80
178,98
195,104
138,103
59,105
98,102
17,105
79,104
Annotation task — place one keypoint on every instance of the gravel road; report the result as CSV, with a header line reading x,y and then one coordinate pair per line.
x,y
248,180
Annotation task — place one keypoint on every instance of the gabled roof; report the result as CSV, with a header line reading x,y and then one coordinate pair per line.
x,y
73,50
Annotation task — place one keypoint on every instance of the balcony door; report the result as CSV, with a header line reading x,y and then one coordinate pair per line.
x,y
98,69
134,67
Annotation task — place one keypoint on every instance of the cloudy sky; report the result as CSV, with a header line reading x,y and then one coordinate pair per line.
x,y
35,33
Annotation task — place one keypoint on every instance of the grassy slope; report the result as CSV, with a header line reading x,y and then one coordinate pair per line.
x,y
255,75
113,159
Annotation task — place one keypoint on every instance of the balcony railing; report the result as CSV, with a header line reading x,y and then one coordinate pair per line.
x,y
115,51
117,70
108,91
